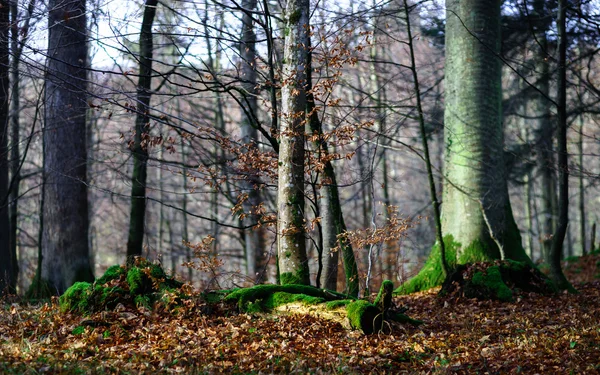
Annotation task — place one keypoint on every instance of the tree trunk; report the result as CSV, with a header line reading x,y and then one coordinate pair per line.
x,y
65,216
555,257
140,143
253,237
477,211
540,111
293,263
7,276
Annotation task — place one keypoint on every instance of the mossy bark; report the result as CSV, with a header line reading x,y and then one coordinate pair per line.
x,y
477,211
476,204
293,262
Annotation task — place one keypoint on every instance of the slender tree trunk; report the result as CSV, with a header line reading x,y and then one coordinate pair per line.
x,y
582,220
432,191
540,110
293,262
7,276
330,208
477,211
65,245
139,150
253,237
556,273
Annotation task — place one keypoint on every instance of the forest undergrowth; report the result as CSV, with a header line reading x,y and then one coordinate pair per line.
x,y
532,334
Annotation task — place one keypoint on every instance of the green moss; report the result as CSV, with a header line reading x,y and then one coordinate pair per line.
x,y
432,275
76,298
141,300
112,273
301,276
294,17
332,305
384,297
78,330
477,251
364,316
135,279
492,281
246,297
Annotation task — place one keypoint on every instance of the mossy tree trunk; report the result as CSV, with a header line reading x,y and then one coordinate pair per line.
x,y
293,263
477,211
65,248
139,149
7,276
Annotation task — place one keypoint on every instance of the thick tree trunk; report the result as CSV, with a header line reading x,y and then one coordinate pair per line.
x,y
293,263
139,150
477,211
65,216
7,275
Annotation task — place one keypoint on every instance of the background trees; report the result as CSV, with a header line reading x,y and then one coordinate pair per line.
x,y
218,83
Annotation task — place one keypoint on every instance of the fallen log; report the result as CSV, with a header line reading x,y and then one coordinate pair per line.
x,y
351,313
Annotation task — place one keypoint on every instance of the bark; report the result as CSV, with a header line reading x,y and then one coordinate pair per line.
x,y
293,264
139,148
555,257
541,112
65,213
253,237
7,276
477,211
581,191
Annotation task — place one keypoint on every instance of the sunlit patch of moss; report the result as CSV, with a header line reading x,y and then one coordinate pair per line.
x,y
135,279
78,330
364,316
245,296
432,275
333,305
76,298
299,277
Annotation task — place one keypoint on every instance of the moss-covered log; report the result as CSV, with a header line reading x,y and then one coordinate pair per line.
x,y
301,299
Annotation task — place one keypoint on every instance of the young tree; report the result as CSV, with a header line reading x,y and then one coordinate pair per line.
x,y
555,255
140,142
293,263
7,276
65,234
253,238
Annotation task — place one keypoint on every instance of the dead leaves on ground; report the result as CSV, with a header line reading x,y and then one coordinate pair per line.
x,y
535,334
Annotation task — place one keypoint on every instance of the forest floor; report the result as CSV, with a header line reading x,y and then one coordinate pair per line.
x,y
534,334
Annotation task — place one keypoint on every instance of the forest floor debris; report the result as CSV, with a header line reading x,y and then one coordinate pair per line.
x,y
532,334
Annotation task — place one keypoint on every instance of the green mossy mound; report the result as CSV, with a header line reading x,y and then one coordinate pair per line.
x,y
359,314
497,280
143,284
